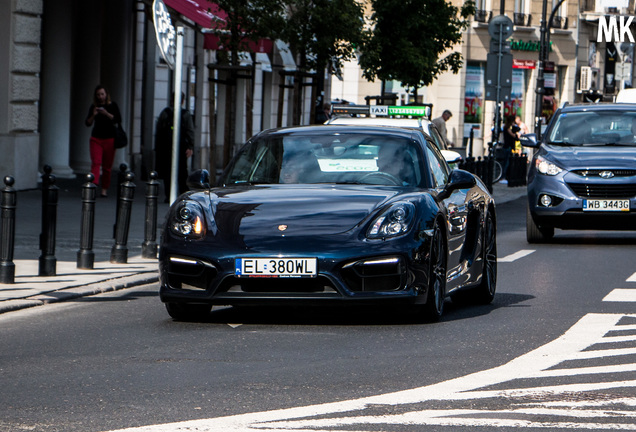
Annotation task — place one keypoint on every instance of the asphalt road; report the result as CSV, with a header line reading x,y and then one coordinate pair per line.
x,y
551,352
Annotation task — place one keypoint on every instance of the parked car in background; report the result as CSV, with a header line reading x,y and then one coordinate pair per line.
x,y
583,174
627,95
331,215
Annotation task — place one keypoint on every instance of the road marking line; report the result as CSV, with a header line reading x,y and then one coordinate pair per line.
x,y
515,256
235,325
632,278
572,345
621,295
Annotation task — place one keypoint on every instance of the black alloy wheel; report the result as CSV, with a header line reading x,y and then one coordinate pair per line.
x,y
485,292
434,307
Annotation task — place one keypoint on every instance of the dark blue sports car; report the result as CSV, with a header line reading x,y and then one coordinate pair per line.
x,y
331,215
583,174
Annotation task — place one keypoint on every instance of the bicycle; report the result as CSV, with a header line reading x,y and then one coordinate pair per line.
x,y
497,170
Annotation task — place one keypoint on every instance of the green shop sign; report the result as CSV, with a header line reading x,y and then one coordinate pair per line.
x,y
520,45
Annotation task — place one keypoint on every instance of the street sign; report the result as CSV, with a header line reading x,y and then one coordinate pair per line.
x,y
499,75
500,26
494,46
165,32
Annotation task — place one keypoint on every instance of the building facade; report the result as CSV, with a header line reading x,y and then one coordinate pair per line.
x,y
57,52
578,66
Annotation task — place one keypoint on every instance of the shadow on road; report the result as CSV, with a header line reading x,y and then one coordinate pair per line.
x,y
351,315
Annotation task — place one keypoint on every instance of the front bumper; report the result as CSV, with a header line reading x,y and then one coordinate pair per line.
x,y
566,208
385,273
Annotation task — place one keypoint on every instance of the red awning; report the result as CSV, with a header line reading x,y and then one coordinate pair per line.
x,y
202,12
207,14
212,42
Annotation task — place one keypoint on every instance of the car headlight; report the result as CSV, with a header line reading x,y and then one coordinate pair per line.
x,y
187,220
393,222
546,167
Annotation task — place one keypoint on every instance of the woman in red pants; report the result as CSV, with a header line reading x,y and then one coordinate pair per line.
x,y
103,115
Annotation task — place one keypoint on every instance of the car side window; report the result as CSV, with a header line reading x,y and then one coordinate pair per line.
x,y
437,165
437,138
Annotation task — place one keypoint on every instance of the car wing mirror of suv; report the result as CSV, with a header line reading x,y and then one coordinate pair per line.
x,y
529,140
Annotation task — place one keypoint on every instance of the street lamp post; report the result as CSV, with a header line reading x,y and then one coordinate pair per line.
x,y
544,55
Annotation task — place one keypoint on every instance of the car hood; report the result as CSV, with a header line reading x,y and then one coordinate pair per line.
x,y
295,209
617,157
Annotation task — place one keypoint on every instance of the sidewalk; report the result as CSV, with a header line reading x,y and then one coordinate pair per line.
x,y
70,282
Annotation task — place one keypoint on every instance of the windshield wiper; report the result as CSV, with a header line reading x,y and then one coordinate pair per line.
x,y
562,143
612,144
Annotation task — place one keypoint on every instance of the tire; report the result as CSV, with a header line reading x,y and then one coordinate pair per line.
x,y
536,233
485,292
188,312
436,293
497,172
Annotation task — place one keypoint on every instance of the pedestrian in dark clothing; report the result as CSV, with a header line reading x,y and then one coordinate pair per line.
x,y
510,137
163,148
103,115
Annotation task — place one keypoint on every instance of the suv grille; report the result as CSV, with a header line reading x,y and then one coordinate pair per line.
x,y
603,190
596,172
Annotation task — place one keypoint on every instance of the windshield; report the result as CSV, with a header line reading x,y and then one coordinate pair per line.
x,y
357,158
594,128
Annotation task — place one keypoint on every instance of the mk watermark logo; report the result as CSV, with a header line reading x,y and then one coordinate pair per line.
x,y
615,28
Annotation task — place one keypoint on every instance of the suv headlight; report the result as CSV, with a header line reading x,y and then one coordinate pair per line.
x,y
546,167
187,220
393,222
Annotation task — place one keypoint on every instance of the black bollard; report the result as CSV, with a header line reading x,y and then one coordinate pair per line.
x,y
121,179
85,255
47,260
149,246
119,252
9,198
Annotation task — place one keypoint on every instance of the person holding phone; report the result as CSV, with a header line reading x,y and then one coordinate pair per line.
x,y
103,115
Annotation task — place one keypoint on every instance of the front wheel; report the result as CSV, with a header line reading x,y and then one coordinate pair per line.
x,y
485,292
434,307
188,312
536,233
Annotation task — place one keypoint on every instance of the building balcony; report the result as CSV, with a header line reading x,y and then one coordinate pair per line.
x,y
521,19
483,15
559,22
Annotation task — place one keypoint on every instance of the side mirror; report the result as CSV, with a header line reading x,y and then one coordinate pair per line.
x,y
459,179
529,140
451,157
199,180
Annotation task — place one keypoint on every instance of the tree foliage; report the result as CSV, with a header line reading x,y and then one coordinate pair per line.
x,y
246,21
320,31
408,37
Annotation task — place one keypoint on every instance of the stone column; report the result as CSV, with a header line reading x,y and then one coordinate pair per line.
x,y
20,34
56,88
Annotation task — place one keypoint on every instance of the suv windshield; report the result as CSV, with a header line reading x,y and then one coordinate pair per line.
x,y
328,158
594,127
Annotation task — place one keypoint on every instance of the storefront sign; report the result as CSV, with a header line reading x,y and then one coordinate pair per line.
x,y
523,64
166,34
520,45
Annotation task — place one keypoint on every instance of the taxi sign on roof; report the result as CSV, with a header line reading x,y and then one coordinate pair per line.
x,y
383,110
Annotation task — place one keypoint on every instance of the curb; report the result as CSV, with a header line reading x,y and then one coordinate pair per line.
x,y
65,294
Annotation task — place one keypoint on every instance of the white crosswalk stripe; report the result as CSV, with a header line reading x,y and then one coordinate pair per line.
x,y
515,256
623,294
597,394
